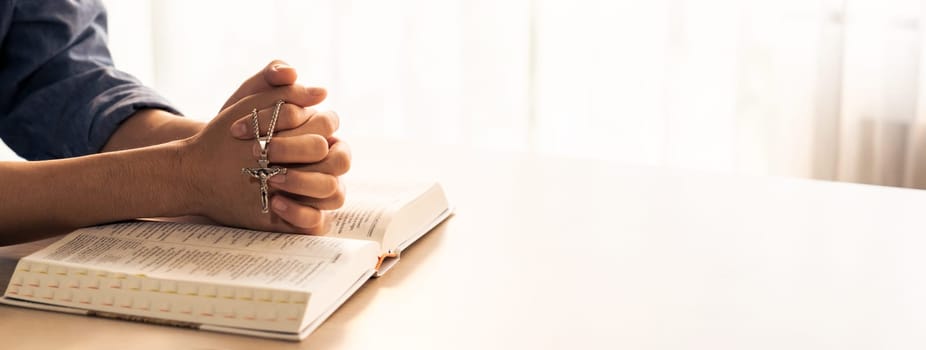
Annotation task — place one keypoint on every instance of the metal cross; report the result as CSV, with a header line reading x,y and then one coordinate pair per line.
x,y
263,174
264,171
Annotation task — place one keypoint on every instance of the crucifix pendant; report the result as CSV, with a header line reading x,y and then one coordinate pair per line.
x,y
264,171
262,174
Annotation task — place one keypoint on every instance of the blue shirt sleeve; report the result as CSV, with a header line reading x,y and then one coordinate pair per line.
x,y
60,95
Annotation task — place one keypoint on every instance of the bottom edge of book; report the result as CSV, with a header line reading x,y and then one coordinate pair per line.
x,y
291,336
145,319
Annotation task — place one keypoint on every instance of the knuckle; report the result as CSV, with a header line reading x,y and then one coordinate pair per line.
x,y
340,162
309,112
335,120
335,201
331,123
332,185
317,146
328,185
292,114
323,124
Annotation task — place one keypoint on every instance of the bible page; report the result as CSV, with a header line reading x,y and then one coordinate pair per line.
x,y
193,252
369,209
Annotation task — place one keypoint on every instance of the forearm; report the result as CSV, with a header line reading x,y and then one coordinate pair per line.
x,y
151,127
57,195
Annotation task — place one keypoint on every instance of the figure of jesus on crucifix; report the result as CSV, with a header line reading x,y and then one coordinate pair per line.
x,y
263,174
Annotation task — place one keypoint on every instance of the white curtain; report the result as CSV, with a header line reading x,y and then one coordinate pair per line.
x,y
828,89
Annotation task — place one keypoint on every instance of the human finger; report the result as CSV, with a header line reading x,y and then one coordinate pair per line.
x,y
309,184
320,123
308,148
332,202
290,116
296,214
336,163
275,73
297,94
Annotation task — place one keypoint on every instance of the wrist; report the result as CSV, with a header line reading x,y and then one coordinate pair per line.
x,y
182,192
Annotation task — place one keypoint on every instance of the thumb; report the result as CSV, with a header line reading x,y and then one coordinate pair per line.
x,y
275,73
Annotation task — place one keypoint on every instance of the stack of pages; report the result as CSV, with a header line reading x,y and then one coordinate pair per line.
x,y
227,279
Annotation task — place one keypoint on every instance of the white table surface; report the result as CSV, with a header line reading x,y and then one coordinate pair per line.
x,y
547,253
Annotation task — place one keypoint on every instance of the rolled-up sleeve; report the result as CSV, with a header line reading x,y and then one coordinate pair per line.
x,y
60,95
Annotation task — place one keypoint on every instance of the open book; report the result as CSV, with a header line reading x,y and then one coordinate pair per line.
x,y
228,279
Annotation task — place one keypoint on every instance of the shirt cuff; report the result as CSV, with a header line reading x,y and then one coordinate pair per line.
x,y
115,107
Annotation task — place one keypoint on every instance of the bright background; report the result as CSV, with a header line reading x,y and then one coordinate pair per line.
x,y
824,89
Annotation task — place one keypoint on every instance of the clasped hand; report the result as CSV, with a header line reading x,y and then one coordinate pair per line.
x,y
303,142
